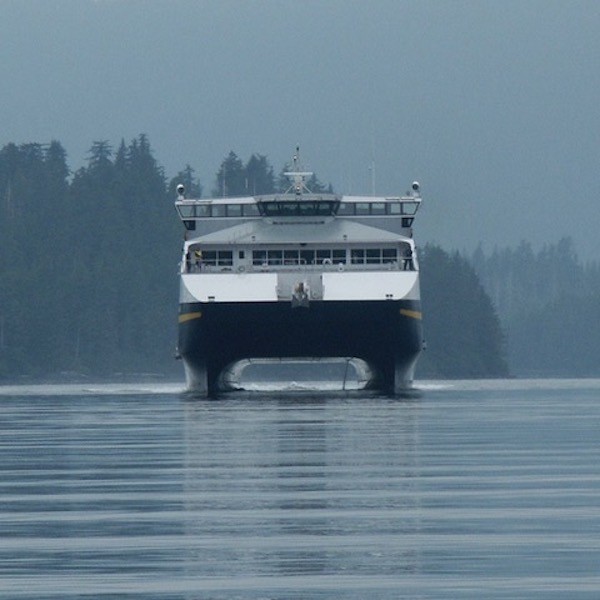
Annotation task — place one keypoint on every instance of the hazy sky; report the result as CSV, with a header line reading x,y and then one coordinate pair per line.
x,y
492,106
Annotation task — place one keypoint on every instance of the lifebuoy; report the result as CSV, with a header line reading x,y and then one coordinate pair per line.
x,y
326,261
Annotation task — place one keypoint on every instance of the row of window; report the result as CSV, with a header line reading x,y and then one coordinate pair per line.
x,y
355,256
189,211
298,257
318,257
213,258
306,208
377,208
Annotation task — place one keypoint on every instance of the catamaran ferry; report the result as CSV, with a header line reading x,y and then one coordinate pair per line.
x,y
299,275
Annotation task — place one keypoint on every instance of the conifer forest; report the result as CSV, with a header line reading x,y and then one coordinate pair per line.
x,y
89,276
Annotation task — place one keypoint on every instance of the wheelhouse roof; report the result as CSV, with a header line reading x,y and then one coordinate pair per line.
x,y
334,231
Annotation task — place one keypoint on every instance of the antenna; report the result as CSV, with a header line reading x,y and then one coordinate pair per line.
x,y
372,167
297,177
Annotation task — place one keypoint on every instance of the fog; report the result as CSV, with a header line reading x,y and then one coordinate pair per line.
x,y
492,106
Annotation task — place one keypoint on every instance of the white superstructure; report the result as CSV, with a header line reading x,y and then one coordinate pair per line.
x,y
323,255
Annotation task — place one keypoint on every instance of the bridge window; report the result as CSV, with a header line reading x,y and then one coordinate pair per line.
x,y
346,208
409,208
234,210
186,211
250,210
362,208
304,208
394,208
378,208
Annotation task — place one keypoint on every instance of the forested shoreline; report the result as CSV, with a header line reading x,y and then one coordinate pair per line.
x,y
547,301
89,281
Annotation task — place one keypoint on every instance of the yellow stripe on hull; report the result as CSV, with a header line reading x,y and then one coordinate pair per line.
x,y
189,316
413,314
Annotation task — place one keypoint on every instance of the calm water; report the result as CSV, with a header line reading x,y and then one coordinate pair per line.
x,y
468,490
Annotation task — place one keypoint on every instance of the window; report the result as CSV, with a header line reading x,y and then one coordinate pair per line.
x,y
325,208
202,210
275,257
291,257
287,209
346,208
394,208
234,210
250,210
322,255
357,256
225,258
407,221
306,209
209,257
218,210
409,208
307,257
362,208
389,255
259,257
213,258
378,208
373,256
186,211
339,256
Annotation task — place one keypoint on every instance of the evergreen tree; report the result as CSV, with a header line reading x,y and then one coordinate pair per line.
x,y
527,287
88,275
231,177
463,332
193,187
259,176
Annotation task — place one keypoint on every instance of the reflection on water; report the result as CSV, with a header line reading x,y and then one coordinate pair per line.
x,y
466,490
302,480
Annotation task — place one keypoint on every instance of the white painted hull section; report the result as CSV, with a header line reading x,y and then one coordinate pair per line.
x,y
380,285
229,287
262,287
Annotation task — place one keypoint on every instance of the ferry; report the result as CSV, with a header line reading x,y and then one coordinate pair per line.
x,y
299,275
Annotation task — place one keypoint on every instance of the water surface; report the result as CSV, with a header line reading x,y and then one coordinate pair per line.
x,y
466,490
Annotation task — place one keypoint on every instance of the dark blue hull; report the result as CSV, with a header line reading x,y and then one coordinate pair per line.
x,y
385,334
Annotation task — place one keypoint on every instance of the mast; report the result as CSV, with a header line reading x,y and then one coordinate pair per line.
x,y
297,177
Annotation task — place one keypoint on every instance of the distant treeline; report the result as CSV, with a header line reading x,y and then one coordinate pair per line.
x,y
548,303
89,279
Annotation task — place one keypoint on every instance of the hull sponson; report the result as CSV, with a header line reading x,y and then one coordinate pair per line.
x,y
386,334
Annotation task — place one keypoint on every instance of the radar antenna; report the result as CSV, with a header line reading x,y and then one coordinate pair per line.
x,y
297,177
